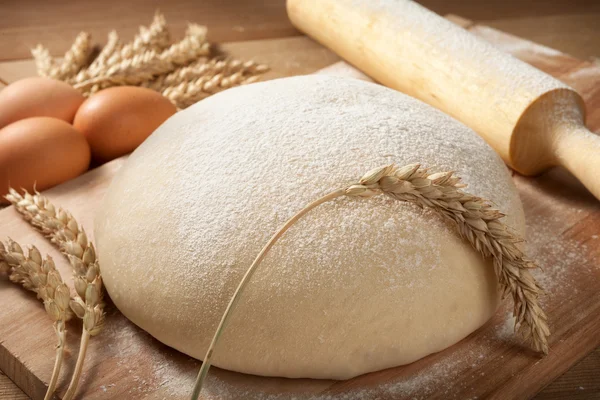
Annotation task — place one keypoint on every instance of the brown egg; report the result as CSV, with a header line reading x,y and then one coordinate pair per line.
x,y
38,97
41,150
117,120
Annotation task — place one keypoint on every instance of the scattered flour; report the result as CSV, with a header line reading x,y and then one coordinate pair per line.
x,y
105,388
557,256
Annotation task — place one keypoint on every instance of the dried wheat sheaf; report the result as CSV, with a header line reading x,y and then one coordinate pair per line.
x,y
185,71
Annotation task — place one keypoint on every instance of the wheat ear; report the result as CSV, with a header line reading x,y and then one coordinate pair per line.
x,y
202,68
155,37
212,77
64,231
74,59
99,64
476,220
41,277
190,92
43,60
148,64
179,71
111,47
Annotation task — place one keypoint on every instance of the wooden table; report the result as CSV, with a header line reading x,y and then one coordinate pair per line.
x,y
569,26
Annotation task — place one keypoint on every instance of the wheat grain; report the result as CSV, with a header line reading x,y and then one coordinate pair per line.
x,y
4,268
476,220
41,277
64,231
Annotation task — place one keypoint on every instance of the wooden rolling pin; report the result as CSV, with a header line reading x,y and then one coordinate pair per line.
x,y
531,119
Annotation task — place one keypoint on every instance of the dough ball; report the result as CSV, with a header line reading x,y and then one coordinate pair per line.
x,y
357,285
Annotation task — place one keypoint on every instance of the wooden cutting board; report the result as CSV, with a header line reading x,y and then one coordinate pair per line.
x,y
125,362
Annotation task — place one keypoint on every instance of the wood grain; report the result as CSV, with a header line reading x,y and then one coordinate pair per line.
x,y
125,362
483,11
25,23
9,391
575,34
579,383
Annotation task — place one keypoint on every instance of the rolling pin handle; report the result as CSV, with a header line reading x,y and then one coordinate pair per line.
x,y
578,150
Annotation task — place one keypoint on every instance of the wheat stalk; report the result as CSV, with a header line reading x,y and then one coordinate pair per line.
x,y
476,220
41,277
64,231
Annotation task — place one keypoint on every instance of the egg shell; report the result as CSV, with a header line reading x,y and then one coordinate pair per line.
x,y
117,120
40,151
38,97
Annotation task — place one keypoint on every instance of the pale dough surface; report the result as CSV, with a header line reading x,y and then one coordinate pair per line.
x,y
356,286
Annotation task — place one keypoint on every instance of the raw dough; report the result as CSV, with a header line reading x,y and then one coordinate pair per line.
x,y
356,286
